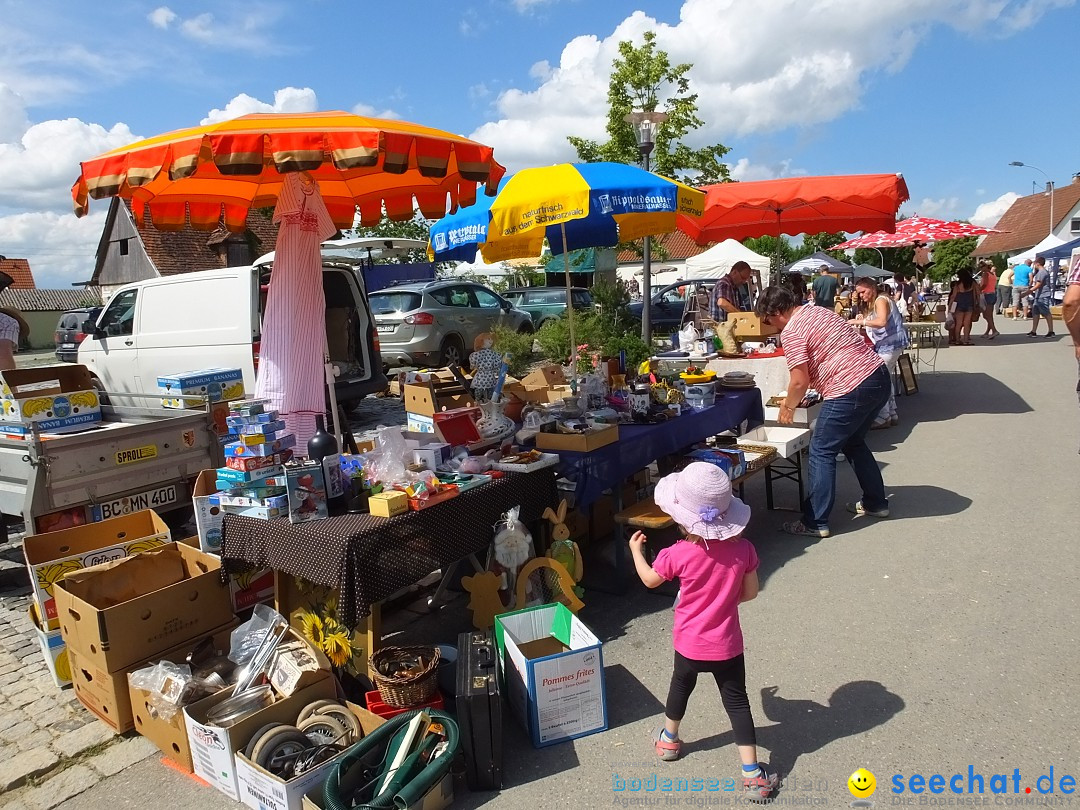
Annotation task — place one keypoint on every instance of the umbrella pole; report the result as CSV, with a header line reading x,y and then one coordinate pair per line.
x,y
569,305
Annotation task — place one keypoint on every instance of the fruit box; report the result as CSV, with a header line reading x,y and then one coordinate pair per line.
x,y
119,613
52,555
750,325
52,398
215,384
578,442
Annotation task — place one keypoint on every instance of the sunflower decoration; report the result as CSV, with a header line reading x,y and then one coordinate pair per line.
x,y
321,625
337,644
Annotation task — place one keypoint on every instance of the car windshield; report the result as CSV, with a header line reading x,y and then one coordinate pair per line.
x,y
385,303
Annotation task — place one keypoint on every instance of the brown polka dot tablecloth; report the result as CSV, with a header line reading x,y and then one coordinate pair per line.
x,y
369,558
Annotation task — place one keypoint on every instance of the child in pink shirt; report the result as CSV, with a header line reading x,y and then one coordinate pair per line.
x,y
717,569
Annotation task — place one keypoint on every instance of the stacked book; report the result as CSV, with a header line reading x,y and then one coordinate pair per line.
x,y
252,482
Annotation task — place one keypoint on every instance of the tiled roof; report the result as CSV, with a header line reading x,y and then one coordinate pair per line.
x,y
19,270
36,300
677,244
1027,221
175,252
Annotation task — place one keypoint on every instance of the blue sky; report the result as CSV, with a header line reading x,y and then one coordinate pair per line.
x,y
946,92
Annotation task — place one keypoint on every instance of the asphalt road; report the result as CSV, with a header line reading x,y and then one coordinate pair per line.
x,y
942,639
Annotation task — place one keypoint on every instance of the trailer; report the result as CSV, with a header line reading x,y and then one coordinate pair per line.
x,y
139,458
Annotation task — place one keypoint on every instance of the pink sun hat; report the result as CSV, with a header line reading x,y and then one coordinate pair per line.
x,y
699,499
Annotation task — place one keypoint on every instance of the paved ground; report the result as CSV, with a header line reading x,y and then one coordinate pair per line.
x,y
942,638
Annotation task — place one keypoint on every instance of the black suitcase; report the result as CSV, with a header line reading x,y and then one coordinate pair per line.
x,y
479,710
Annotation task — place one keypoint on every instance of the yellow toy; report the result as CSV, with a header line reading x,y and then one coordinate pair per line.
x,y
484,601
562,549
561,591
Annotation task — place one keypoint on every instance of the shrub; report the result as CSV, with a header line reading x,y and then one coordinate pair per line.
x,y
518,345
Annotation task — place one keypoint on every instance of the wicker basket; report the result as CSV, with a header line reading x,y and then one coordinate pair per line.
x,y
403,691
767,452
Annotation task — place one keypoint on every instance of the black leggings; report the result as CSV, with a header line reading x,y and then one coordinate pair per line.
x,y
730,677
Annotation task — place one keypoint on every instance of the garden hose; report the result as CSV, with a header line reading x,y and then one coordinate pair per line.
x,y
408,785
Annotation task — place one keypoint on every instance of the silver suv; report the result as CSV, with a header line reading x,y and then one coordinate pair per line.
x,y
434,323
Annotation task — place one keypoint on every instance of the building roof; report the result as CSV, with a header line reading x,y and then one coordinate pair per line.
x,y
175,252
19,270
1028,219
676,244
36,300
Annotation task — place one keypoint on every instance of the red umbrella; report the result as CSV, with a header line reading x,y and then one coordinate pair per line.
x,y
795,205
916,229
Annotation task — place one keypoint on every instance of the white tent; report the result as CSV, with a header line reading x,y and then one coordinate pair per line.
x,y
810,264
717,260
1028,256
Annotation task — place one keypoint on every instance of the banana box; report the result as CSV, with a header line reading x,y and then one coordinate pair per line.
x,y
240,450
54,399
53,648
51,555
215,384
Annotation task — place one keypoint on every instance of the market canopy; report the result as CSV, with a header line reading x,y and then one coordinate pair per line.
x,y
1049,242
1062,251
814,261
717,260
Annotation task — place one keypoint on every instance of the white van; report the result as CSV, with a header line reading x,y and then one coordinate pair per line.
x,y
213,318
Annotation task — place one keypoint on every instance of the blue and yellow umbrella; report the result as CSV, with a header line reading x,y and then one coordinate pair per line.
x,y
571,205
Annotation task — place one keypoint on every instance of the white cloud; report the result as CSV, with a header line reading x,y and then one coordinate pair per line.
x,y
287,99
988,213
373,112
541,71
743,170
59,247
13,120
942,208
524,6
162,17
200,28
757,67
478,92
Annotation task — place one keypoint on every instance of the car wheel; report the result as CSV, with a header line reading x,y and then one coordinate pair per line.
x,y
452,351
103,398
525,329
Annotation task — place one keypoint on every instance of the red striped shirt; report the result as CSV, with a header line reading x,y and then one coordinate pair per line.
x,y
836,357
1074,275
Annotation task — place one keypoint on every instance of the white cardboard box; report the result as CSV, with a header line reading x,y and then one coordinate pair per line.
x,y
552,670
213,749
787,440
261,790
804,417
208,516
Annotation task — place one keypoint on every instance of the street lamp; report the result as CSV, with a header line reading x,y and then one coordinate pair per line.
x,y
645,124
1049,182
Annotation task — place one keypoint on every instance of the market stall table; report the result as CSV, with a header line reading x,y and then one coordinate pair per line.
x,y
367,558
924,334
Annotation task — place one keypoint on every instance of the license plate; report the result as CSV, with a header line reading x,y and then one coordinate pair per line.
x,y
67,345
151,499
384,327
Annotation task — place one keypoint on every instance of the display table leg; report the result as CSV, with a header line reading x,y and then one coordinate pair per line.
x,y
450,575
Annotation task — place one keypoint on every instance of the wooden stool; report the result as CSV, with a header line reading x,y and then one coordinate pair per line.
x,y
642,515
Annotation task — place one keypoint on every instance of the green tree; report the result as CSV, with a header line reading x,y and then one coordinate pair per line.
x,y
950,256
644,79
766,246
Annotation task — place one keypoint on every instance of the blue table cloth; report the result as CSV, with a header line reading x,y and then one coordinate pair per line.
x,y
640,445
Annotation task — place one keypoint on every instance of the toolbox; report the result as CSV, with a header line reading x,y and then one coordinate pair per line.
x,y
479,710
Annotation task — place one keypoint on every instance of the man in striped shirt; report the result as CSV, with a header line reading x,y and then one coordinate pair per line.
x,y
825,353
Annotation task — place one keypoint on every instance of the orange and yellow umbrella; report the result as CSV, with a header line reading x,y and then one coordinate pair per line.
x,y
218,172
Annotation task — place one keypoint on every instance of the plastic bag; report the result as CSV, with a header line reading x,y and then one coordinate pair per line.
x,y
245,639
387,460
687,337
170,686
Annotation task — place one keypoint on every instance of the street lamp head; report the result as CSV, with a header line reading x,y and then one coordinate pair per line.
x,y
645,124
1016,163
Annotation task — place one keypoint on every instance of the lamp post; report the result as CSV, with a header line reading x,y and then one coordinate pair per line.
x,y
1049,182
645,124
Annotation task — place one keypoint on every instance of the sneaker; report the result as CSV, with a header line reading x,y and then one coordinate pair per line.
x,y
761,788
667,750
797,528
894,420
857,508
881,424
1050,334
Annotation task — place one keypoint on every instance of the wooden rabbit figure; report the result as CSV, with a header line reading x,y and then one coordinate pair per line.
x,y
562,549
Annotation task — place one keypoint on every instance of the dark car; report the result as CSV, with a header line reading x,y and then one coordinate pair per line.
x,y
73,326
547,303
669,304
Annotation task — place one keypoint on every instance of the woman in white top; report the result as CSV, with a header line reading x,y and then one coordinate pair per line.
x,y
884,326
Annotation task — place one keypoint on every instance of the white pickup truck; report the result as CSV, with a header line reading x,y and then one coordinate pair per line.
x,y
140,458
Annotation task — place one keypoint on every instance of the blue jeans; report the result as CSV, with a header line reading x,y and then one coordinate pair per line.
x,y
841,427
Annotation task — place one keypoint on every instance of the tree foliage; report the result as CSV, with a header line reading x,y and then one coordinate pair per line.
x,y
950,256
643,78
416,228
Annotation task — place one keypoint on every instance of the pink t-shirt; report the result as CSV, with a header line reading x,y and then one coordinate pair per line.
x,y
710,584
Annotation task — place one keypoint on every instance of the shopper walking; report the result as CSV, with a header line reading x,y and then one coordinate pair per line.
x,y
1070,313
962,305
1021,285
1005,288
717,569
988,281
823,351
880,317
825,287
1042,293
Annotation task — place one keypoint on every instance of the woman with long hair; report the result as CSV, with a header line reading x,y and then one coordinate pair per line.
x,y
988,284
884,325
962,305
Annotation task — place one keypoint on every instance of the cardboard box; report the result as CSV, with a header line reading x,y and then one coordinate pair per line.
x,y
421,399
213,749
53,649
432,455
804,417
602,512
544,377
52,555
556,393
787,440
389,503
296,664
749,325
578,442
104,694
122,612
250,588
53,398
240,450
552,670
208,515
215,384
